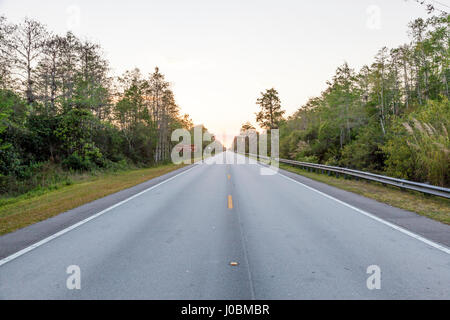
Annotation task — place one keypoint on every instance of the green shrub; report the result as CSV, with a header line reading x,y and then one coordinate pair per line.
x,y
77,162
419,147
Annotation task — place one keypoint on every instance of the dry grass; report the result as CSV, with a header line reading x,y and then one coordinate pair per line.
x,y
432,207
25,210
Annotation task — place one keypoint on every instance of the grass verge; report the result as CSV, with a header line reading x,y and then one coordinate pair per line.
x,y
21,211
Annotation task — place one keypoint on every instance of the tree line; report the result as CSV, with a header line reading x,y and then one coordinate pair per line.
x,y
60,109
390,117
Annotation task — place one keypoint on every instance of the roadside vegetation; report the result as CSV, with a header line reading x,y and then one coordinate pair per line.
x,y
77,189
391,117
63,115
70,131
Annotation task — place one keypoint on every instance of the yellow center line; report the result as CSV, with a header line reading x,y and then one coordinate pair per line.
x,y
230,202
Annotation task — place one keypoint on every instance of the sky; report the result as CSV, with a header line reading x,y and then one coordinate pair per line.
x,y
219,55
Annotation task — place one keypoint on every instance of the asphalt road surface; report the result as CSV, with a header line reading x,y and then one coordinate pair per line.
x,y
178,239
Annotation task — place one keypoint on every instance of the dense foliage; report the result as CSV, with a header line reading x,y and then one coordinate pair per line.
x,y
60,110
390,117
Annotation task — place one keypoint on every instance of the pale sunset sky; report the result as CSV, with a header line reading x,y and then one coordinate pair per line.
x,y
219,55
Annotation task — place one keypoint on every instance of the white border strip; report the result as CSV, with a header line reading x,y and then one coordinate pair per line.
x,y
80,223
393,226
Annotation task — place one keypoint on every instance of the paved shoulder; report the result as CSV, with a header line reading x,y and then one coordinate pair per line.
x,y
426,227
22,238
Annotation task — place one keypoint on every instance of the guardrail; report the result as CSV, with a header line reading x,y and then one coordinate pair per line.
x,y
401,183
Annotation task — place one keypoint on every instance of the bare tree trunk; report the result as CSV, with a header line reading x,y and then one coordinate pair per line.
x,y
405,75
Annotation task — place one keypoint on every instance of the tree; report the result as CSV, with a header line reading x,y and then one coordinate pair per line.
x,y
132,113
69,69
158,109
271,114
6,56
247,126
67,112
76,132
391,117
49,74
91,81
26,46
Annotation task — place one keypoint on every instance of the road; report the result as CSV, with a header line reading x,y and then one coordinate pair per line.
x,y
177,240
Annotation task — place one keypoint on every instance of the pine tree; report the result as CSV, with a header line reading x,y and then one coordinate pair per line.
x,y
271,114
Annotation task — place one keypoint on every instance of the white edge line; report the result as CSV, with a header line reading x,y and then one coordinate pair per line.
x,y
80,223
393,226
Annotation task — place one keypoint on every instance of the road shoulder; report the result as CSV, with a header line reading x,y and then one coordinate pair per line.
x,y
426,227
22,238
